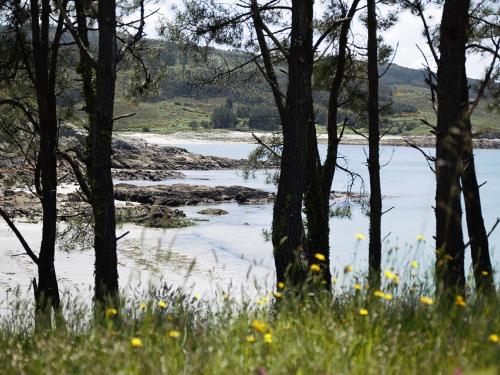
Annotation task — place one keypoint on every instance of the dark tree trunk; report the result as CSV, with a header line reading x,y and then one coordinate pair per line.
x,y
288,231
103,204
478,237
375,245
99,94
320,177
317,209
451,110
45,70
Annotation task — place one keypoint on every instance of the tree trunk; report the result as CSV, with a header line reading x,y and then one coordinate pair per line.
x,y
47,291
317,209
288,231
451,109
320,177
479,244
375,245
103,204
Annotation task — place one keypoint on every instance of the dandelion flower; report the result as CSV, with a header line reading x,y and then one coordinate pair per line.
x,y
250,339
111,312
357,286
142,306
379,293
315,267
259,325
414,264
162,304
387,297
363,312
281,285
459,301
494,338
268,338
360,236
348,269
390,275
420,237
174,333
426,300
320,257
136,342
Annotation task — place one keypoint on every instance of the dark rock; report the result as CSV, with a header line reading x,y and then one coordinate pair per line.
x,y
183,194
213,211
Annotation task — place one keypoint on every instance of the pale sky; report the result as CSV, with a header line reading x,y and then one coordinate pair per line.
x,y
407,32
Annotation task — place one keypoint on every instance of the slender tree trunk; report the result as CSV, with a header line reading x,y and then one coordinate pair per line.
x,y
478,237
317,209
103,204
288,230
451,73
375,245
47,291
320,177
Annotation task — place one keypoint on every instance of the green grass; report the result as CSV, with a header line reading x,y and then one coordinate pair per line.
x,y
318,336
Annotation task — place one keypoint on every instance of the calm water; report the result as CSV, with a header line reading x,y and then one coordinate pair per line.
x,y
230,251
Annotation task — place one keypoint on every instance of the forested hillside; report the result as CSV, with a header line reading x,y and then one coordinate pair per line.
x,y
191,94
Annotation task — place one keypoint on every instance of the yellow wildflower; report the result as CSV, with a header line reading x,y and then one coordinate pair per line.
x,y
363,312
357,286
420,237
281,285
136,342
197,296
459,301
174,333
320,257
142,306
387,297
268,338
162,304
278,295
111,312
414,264
348,269
484,273
379,293
315,267
259,325
494,338
426,300
360,236
390,275
250,338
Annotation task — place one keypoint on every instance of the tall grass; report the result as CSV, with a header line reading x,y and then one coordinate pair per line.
x,y
172,333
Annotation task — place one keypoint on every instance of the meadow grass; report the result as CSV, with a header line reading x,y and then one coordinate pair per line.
x,y
354,332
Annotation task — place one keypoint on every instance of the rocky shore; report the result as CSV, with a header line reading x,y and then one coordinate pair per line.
x,y
132,160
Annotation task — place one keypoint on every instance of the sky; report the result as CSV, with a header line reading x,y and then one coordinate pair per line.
x,y
405,34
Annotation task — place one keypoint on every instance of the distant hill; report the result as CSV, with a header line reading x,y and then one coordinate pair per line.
x,y
183,101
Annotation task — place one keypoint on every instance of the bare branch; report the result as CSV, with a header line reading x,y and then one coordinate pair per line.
x,y
19,236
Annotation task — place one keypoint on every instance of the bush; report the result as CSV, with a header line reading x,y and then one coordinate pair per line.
x,y
264,118
223,118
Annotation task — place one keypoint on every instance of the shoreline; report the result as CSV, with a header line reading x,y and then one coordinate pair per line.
x,y
232,136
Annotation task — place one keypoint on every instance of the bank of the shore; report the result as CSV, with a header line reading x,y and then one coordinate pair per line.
x,y
230,136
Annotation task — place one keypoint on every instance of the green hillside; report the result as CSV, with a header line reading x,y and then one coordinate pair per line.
x,y
183,100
